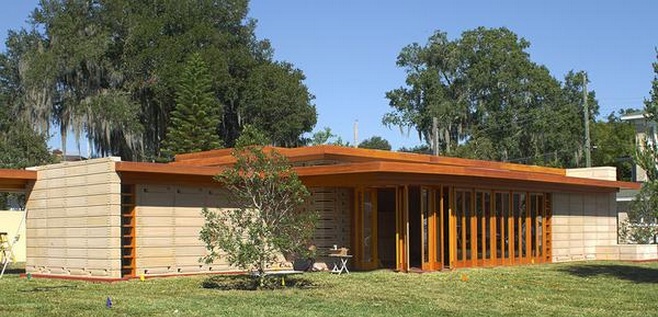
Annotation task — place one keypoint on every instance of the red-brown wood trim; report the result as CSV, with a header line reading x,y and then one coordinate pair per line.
x,y
161,168
427,169
16,174
349,154
14,180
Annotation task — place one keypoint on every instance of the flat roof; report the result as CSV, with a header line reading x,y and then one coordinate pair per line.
x,y
14,180
376,167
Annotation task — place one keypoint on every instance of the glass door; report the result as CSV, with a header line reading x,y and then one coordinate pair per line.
x,y
432,239
401,229
465,236
365,224
427,229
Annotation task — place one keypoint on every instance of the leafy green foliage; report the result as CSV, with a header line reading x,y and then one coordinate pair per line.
x,y
375,142
128,56
279,104
251,135
641,225
266,220
195,119
644,207
491,101
613,145
418,149
326,136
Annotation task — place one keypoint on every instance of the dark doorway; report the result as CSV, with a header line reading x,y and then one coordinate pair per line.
x,y
386,227
415,257
446,226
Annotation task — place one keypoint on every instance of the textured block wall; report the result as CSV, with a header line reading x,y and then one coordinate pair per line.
x,y
73,220
169,221
583,222
333,205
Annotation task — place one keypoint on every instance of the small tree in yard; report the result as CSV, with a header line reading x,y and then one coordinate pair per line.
x,y
640,227
267,219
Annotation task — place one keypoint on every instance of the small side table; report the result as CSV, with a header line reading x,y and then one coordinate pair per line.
x,y
340,263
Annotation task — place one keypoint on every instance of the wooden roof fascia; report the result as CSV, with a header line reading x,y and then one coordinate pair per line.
x,y
445,160
203,154
163,168
478,183
206,162
361,155
15,180
375,167
161,178
407,168
27,175
230,160
343,154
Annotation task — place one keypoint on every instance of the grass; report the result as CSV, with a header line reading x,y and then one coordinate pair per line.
x,y
572,289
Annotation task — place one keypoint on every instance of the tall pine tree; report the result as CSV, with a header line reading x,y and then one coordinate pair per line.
x,y
195,118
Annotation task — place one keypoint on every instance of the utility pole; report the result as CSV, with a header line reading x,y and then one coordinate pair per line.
x,y
356,133
435,136
588,147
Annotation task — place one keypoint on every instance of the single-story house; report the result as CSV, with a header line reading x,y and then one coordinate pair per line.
x,y
108,219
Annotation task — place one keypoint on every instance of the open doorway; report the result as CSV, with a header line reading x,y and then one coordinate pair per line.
x,y
386,227
415,256
445,214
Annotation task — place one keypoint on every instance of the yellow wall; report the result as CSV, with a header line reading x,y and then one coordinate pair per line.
x,y
10,221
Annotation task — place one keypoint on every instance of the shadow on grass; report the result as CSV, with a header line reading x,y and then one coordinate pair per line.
x,y
634,274
250,283
14,271
47,288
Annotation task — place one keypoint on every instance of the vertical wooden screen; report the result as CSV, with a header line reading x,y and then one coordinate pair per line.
x,y
466,233
547,242
484,227
501,227
128,231
502,212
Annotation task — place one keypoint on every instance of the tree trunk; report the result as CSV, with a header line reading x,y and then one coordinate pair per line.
x,y
261,274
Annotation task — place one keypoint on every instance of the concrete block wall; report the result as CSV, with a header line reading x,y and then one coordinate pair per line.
x,y
73,220
628,252
582,224
607,173
333,204
168,223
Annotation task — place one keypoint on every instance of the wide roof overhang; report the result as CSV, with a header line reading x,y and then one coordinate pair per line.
x,y
13,180
386,173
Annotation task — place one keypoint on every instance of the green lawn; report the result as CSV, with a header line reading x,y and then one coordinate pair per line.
x,y
576,289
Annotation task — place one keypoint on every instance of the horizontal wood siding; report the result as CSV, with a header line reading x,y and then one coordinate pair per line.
x,y
73,220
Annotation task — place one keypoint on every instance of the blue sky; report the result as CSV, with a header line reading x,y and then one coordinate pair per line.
x,y
347,49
